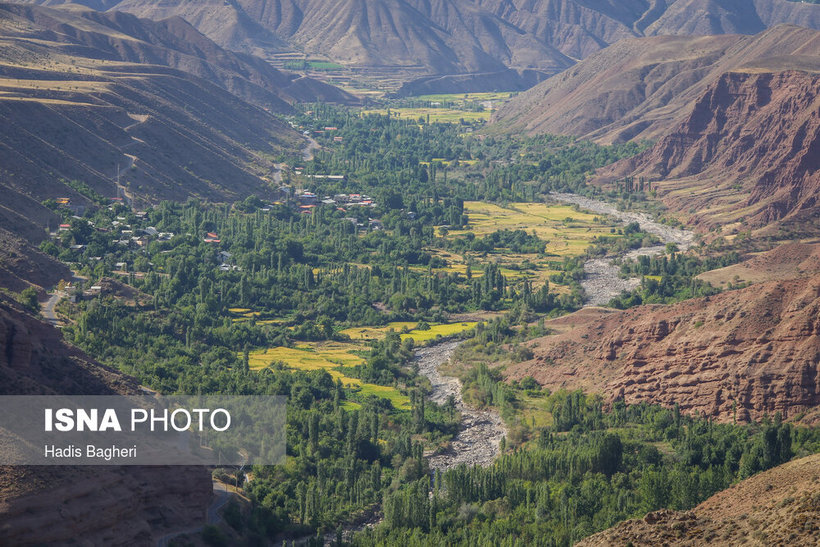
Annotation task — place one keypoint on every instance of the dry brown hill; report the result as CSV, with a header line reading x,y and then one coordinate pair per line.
x,y
780,506
101,505
786,261
23,265
450,36
747,155
640,88
173,42
82,116
740,354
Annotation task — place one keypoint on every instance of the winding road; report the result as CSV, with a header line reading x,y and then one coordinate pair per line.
x,y
213,516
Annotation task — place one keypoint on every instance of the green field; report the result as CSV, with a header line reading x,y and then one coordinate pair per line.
x,y
328,356
312,64
567,233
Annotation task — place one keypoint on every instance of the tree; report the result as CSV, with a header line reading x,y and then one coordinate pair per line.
x,y
28,298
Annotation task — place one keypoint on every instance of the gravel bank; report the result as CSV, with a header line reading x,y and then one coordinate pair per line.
x,y
602,282
481,430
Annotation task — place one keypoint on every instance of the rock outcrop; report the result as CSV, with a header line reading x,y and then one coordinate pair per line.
x,y
738,355
748,153
640,88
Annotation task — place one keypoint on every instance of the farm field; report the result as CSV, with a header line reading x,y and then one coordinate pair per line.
x,y
443,115
455,97
418,336
328,356
566,231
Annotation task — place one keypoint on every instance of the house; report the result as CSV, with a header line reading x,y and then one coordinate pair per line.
x,y
308,198
64,227
224,256
151,231
121,266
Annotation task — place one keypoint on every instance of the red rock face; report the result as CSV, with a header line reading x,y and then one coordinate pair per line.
x,y
751,143
738,355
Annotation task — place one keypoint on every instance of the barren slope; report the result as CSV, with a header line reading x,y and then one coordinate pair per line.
x,y
746,156
449,36
786,261
83,117
754,350
639,88
780,506
173,42
101,505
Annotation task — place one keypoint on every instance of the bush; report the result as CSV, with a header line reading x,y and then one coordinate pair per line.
x,y
28,298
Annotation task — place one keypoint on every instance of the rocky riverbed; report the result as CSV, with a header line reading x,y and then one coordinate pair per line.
x,y
602,282
477,442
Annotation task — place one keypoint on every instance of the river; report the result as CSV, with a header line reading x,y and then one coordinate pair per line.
x,y
477,442
602,282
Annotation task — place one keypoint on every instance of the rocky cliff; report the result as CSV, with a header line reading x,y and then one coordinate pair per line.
x,y
737,355
643,87
747,154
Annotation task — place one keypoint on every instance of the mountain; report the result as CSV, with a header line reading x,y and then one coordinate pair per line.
x,y
640,88
776,507
747,156
173,42
73,117
103,505
739,355
449,36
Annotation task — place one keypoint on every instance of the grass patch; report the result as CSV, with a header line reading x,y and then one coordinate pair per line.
x,y
437,115
329,356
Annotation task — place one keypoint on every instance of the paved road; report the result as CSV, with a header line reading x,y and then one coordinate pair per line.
x,y
48,308
212,515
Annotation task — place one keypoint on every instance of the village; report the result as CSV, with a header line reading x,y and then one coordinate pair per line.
x,y
128,229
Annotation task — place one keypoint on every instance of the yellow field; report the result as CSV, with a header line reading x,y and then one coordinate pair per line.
x,y
375,333
328,356
566,231
418,336
444,115
453,97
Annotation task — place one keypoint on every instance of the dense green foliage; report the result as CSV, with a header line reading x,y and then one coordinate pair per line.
x,y
182,271
670,278
586,472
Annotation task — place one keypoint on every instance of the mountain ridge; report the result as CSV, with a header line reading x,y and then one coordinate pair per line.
x,y
639,88
445,37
